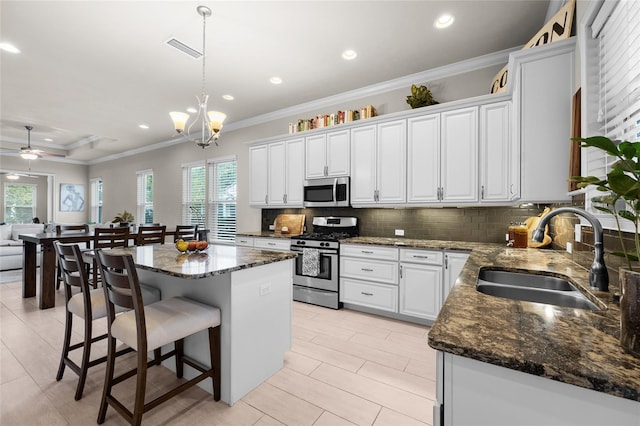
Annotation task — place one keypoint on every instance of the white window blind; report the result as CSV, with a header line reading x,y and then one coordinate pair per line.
x,y
145,196
19,202
221,207
616,29
96,200
194,194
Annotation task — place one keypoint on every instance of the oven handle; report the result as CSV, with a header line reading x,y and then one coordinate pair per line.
x,y
335,190
321,251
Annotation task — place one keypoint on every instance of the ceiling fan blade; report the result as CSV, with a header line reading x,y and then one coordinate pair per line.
x,y
50,154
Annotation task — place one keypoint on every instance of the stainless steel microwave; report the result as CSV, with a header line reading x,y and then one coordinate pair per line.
x,y
327,192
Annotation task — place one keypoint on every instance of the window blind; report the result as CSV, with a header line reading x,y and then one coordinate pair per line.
x,y
618,50
19,202
221,207
96,200
193,194
145,196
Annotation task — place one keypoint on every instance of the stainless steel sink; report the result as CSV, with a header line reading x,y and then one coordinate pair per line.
x,y
532,287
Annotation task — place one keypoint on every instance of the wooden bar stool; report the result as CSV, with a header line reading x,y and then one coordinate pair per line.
x,y
186,232
150,327
118,236
66,229
151,234
87,304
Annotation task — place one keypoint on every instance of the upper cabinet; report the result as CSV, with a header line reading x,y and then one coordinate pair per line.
x,y
328,155
258,175
378,159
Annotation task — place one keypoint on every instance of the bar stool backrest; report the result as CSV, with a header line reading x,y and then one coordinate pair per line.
x,y
151,234
111,237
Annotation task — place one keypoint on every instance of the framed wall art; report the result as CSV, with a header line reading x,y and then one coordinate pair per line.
x,y
71,197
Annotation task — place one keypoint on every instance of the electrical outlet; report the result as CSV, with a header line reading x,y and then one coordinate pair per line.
x,y
569,247
399,232
578,233
272,227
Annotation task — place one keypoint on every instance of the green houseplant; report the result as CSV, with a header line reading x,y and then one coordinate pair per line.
x,y
621,198
124,217
420,96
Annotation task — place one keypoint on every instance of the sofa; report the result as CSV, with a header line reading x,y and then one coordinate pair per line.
x,y
11,250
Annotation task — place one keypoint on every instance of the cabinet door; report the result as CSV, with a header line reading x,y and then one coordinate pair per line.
x,y
420,290
316,156
294,172
277,173
338,158
453,264
495,152
423,159
459,149
259,174
392,160
363,164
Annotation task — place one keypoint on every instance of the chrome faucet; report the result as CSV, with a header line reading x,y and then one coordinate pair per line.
x,y
598,275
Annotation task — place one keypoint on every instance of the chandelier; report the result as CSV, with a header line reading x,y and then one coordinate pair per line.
x,y
210,122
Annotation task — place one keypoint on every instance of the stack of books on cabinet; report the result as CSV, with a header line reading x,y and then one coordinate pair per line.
x,y
327,120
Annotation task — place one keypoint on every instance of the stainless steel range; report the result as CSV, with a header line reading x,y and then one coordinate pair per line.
x,y
316,277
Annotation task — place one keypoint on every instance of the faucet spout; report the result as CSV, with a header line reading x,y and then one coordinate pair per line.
x,y
598,274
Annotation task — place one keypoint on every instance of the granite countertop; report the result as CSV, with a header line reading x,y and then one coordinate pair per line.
x,y
574,346
216,260
265,234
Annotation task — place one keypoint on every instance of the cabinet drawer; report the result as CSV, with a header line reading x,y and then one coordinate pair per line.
x,y
281,244
378,296
244,241
430,257
369,270
370,252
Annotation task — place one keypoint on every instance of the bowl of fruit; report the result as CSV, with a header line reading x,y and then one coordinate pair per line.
x,y
191,246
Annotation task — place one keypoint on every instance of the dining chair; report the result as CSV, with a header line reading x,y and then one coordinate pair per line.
x,y
186,232
115,237
151,234
87,304
146,328
65,229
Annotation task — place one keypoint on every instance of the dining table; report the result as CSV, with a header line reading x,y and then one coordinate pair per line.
x,y
48,263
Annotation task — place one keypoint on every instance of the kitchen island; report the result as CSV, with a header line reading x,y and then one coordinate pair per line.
x,y
252,288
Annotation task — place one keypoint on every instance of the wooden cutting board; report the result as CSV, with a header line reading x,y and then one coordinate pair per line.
x,y
294,223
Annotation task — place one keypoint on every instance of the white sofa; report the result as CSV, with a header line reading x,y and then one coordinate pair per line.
x,y
11,251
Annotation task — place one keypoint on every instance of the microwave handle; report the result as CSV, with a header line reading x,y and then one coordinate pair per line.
x,y
335,190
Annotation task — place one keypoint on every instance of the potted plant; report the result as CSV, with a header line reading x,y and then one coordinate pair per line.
x,y
420,96
621,198
123,218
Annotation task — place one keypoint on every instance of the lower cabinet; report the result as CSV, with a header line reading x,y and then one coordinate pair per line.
x,y
279,244
244,241
420,287
453,263
371,295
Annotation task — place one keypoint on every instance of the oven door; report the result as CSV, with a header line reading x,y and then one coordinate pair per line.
x,y
327,278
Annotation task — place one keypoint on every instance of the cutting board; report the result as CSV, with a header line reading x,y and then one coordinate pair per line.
x,y
294,222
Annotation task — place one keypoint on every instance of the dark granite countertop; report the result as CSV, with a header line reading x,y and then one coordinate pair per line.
x,y
574,346
266,234
216,260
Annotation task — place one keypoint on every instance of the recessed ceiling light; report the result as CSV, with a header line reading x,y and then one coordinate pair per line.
x,y
143,126
192,110
228,97
275,80
8,47
349,54
48,140
444,21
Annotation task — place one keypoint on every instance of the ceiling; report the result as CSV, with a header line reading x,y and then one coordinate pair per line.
x,y
90,72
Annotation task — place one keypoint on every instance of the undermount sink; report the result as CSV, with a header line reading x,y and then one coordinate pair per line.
x,y
532,287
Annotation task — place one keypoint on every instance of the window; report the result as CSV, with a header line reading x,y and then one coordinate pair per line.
x,y
221,209
193,194
145,196
209,197
19,202
612,68
96,200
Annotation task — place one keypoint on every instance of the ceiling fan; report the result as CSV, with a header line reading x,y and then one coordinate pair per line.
x,y
29,153
16,175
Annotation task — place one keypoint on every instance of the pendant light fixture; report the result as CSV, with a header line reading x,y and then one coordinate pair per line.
x,y
210,122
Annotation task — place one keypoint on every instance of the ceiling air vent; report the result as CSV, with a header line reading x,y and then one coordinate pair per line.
x,y
184,48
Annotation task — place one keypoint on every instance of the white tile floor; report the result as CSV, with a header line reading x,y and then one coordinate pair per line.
x,y
344,368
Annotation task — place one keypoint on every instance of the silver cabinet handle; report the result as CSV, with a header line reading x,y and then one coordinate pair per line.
x,y
366,294
419,256
400,271
271,244
326,170
265,198
367,269
446,262
482,192
366,251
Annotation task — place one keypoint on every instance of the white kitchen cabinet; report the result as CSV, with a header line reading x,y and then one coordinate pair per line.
x,y
259,175
244,241
459,156
286,173
279,244
443,157
453,263
420,288
368,294
378,164
471,392
328,155
496,154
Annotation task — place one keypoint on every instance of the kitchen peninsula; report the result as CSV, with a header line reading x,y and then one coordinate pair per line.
x,y
252,288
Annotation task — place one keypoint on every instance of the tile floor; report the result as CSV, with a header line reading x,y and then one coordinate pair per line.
x,y
344,368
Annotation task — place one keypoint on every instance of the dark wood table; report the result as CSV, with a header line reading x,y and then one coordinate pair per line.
x,y
48,265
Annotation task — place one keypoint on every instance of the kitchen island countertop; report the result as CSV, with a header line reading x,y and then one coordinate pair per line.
x,y
574,346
